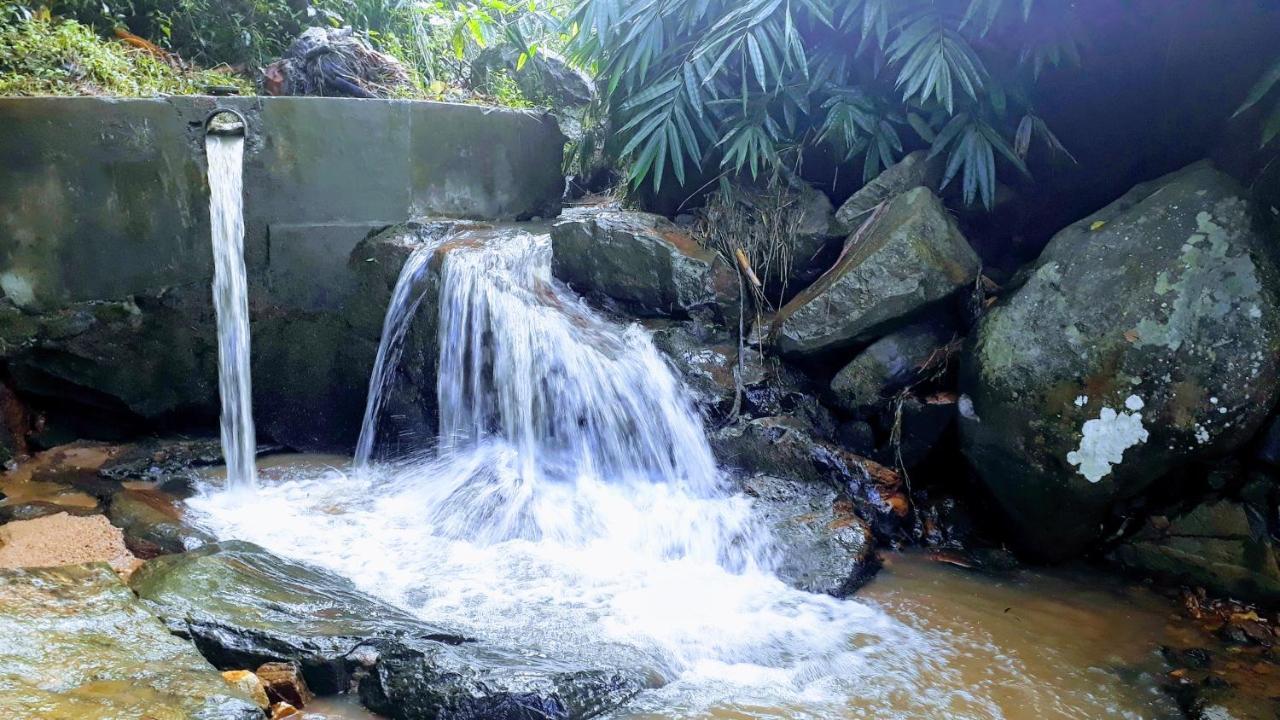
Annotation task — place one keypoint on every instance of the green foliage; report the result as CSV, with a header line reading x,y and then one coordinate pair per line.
x,y
1269,80
745,86
62,57
211,32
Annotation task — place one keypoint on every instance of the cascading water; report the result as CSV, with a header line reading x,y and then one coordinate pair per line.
x,y
405,299
225,151
572,508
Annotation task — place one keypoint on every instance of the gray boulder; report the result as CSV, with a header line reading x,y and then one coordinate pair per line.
x,y
244,606
887,365
645,262
912,257
1147,336
78,644
915,170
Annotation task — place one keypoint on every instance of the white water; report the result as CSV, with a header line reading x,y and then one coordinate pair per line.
x,y
405,300
573,509
231,302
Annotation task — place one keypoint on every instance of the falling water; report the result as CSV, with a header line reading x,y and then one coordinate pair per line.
x,y
405,299
230,299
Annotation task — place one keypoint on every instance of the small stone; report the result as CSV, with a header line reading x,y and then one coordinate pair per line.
x,y
285,684
283,710
249,684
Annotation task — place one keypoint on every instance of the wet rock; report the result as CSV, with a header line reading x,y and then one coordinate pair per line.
x,y
244,607
284,684
414,683
282,710
543,77
706,358
1222,545
1147,337
248,684
39,509
888,365
78,644
786,447
162,459
823,546
154,519
64,539
915,170
921,428
909,258
647,263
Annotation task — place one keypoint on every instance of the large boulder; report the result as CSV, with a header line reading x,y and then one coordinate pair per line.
x,y
645,262
244,606
78,644
915,170
909,257
1147,336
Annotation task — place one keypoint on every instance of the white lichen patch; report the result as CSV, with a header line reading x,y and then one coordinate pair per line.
x,y
1082,400
1202,434
965,406
1106,438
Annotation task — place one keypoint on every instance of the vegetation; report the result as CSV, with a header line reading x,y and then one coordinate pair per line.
x,y
747,86
45,56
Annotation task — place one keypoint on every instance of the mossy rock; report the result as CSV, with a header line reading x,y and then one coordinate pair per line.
x,y
1147,336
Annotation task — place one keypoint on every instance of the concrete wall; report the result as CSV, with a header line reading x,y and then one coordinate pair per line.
x,y
91,186
105,258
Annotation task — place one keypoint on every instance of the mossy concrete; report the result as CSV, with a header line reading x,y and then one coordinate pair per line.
x,y
105,259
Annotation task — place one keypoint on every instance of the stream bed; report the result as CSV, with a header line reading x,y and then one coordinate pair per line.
x,y
924,639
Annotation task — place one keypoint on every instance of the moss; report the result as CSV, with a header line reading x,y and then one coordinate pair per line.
x,y
63,57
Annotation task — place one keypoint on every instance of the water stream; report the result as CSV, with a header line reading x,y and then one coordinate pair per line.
x,y
573,507
231,302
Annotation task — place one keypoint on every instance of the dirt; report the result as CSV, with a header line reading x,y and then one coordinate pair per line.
x,y
63,539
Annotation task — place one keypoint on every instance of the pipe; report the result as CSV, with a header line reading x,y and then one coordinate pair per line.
x,y
212,125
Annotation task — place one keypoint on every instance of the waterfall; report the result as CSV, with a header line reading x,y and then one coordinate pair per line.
x,y
230,299
405,299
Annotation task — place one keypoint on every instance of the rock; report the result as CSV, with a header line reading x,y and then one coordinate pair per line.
x,y
706,359
152,518
284,683
888,365
915,170
911,257
1147,337
243,607
823,546
410,683
545,76
923,425
162,459
647,263
1222,545
282,710
786,447
40,508
64,539
78,644
248,684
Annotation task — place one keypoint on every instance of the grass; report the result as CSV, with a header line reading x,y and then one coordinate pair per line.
x,y
43,56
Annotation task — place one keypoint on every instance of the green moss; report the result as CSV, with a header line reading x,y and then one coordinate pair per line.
x,y
63,57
